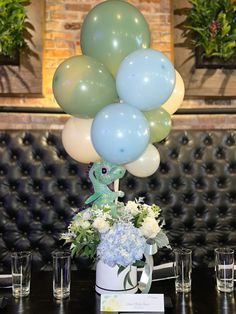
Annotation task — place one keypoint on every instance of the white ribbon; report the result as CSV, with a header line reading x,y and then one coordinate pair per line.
x,y
146,277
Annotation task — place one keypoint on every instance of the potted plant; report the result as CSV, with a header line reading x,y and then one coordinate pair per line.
x,y
212,24
12,30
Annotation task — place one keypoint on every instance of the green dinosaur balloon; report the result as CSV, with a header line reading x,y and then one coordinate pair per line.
x,y
101,174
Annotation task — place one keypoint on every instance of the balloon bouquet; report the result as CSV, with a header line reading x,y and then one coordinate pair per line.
x,y
121,93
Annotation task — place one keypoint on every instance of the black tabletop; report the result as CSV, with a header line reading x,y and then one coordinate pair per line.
x,y
203,299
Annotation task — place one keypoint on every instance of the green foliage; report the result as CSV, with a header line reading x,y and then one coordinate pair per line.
x,y
213,26
85,243
12,26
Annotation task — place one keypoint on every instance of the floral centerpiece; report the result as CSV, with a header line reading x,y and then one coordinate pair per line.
x,y
116,234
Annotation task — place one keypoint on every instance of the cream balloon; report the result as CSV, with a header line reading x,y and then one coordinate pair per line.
x,y
77,142
146,164
177,96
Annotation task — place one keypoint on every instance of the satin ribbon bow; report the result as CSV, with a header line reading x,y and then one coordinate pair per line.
x,y
146,277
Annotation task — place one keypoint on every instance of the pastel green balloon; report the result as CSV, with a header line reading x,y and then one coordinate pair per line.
x,y
82,86
112,30
159,123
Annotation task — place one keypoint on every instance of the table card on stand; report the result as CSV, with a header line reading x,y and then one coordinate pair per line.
x,y
132,303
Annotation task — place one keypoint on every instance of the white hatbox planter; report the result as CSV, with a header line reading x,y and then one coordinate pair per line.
x,y
108,280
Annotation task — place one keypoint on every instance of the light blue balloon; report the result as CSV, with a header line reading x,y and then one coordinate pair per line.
x,y
145,79
120,133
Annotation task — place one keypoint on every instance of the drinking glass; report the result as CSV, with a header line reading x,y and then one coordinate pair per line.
x,y
183,270
224,268
21,273
61,274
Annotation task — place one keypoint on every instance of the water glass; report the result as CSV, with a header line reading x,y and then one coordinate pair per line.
x,y
61,274
224,267
183,270
21,273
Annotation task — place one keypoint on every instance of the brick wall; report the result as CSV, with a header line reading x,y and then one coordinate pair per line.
x,y
63,20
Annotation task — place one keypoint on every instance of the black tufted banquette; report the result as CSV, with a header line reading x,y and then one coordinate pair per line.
x,y
195,187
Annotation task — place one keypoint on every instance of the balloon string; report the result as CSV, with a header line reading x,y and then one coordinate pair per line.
x,y
116,188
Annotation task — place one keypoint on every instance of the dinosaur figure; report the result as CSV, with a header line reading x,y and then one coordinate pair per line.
x,y
101,174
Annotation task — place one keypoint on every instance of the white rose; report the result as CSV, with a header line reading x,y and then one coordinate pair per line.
x,y
132,207
150,227
101,225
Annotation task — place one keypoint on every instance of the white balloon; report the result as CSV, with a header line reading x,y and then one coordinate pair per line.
x,y
176,98
146,164
77,141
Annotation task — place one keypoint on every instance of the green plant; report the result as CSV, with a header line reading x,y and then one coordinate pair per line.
x,y
12,26
213,27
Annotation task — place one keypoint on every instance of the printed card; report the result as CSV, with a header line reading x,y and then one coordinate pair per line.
x,y
132,303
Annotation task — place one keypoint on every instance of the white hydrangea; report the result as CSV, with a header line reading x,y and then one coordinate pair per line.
x,y
132,207
150,227
101,225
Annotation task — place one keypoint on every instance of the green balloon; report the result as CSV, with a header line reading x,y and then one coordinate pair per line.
x,y
159,123
82,86
112,30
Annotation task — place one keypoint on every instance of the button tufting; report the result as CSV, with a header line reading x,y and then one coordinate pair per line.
x,y
220,153
164,168
198,154
208,140
232,167
187,167
4,139
221,182
174,154
73,169
194,186
184,140
27,139
230,140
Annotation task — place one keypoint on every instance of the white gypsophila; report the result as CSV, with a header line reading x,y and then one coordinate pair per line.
x,y
86,215
133,208
101,225
150,227
100,213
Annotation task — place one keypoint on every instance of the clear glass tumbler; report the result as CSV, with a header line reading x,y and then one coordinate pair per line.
x,y
21,273
183,270
224,267
61,274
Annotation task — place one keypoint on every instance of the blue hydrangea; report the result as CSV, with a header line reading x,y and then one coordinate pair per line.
x,y
122,245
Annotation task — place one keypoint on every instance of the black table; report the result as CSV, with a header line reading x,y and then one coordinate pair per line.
x,y
203,299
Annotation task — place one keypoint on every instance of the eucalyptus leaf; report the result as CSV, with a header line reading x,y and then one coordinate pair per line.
x,y
162,240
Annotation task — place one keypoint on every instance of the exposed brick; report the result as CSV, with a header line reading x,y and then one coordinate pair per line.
x,y
59,35
50,44
54,26
65,44
73,26
63,16
56,7
78,7
58,53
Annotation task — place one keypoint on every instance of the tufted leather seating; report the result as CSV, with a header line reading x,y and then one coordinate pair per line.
x,y
195,187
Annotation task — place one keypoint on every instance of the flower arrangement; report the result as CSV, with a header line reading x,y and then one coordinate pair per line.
x,y
116,239
213,27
